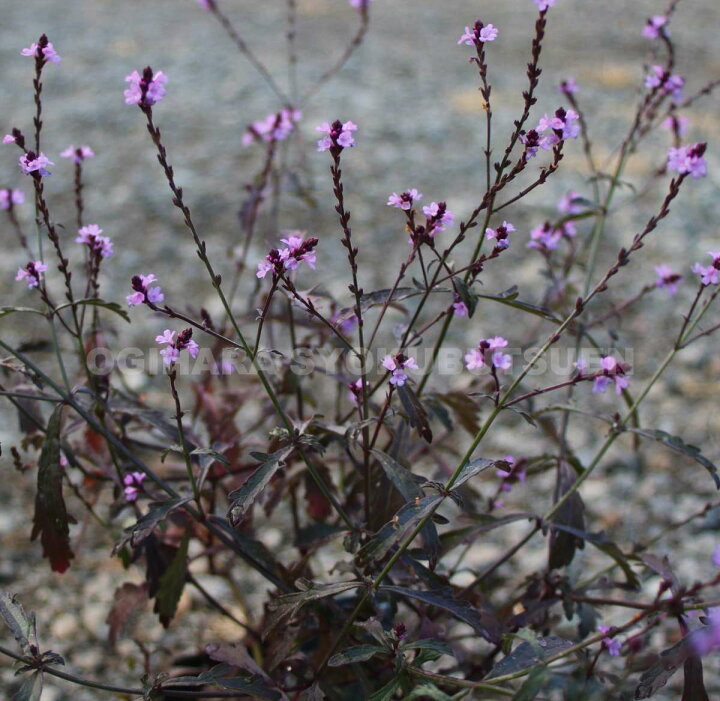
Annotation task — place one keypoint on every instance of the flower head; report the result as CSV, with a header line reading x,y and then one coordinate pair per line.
x,y
709,274
144,293
91,236
78,154
568,86
133,485
9,198
277,126
668,83
9,139
438,216
612,645
173,347
405,200
297,250
479,34
688,160
500,235
667,279
651,30
611,371
571,203
43,50
678,125
397,364
360,5
716,556
339,135
355,390
544,4
206,4
32,273
146,89
459,307
30,163
487,353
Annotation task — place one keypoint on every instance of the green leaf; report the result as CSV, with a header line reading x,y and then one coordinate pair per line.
x,y
509,298
110,306
21,625
31,689
679,446
533,685
51,518
528,654
472,468
359,653
172,584
429,644
253,685
484,623
402,524
6,311
426,691
158,512
242,499
209,452
387,692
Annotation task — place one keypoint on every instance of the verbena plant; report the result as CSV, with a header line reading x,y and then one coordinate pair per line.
x,y
364,439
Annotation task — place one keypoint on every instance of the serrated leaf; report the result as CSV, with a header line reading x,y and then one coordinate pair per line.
x,y
396,530
484,623
528,654
358,653
243,498
21,625
679,446
50,521
31,689
172,584
157,512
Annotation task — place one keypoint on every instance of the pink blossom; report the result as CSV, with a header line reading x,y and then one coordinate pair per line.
x,y
277,126
32,273
716,556
206,4
479,34
688,160
90,236
668,83
405,200
298,249
652,29
355,391
133,484
459,307
488,350
500,234
708,638
581,365
545,238
146,89
339,135
360,5
564,124
438,217
667,279
679,125
173,347
569,204
144,294
531,141
30,163
397,364
47,50
8,139
709,274
78,154
568,86
612,645
612,371
9,198
544,4
474,359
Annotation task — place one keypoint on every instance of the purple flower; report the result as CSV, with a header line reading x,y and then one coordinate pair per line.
x,y
173,347
581,365
612,645
479,34
277,126
144,294
44,49
438,217
679,125
360,4
570,203
563,124
32,273
512,475
133,485
668,83
501,234
652,29
206,4
30,163
459,307
612,370
545,238
688,159
297,250
568,86
667,279
9,198
397,364
716,556
404,200
531,141
355,391
78,154
544,4
146,89
488,350
339,135
709,274
8,139
90,236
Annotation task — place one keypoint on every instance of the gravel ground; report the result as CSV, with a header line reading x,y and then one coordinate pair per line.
x,y
414,95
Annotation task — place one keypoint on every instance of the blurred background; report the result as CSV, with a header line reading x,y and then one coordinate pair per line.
x,y
414,95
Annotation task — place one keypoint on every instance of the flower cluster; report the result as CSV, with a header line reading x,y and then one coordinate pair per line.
x,y
405,200
9,198
544,5
459,307
677,125
500,235
514,474
562,125
611,370
206,4
146,89
546,237
612,645
144,294
709,274
277,126
688,160
43,50
487,352
32,273
479,34
568,86
355,390
30,163
339,135
654,25
91,236
437,216
360,5
279,260
133,485
397,365
78,154
667,279
668,83
571,203
172,349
